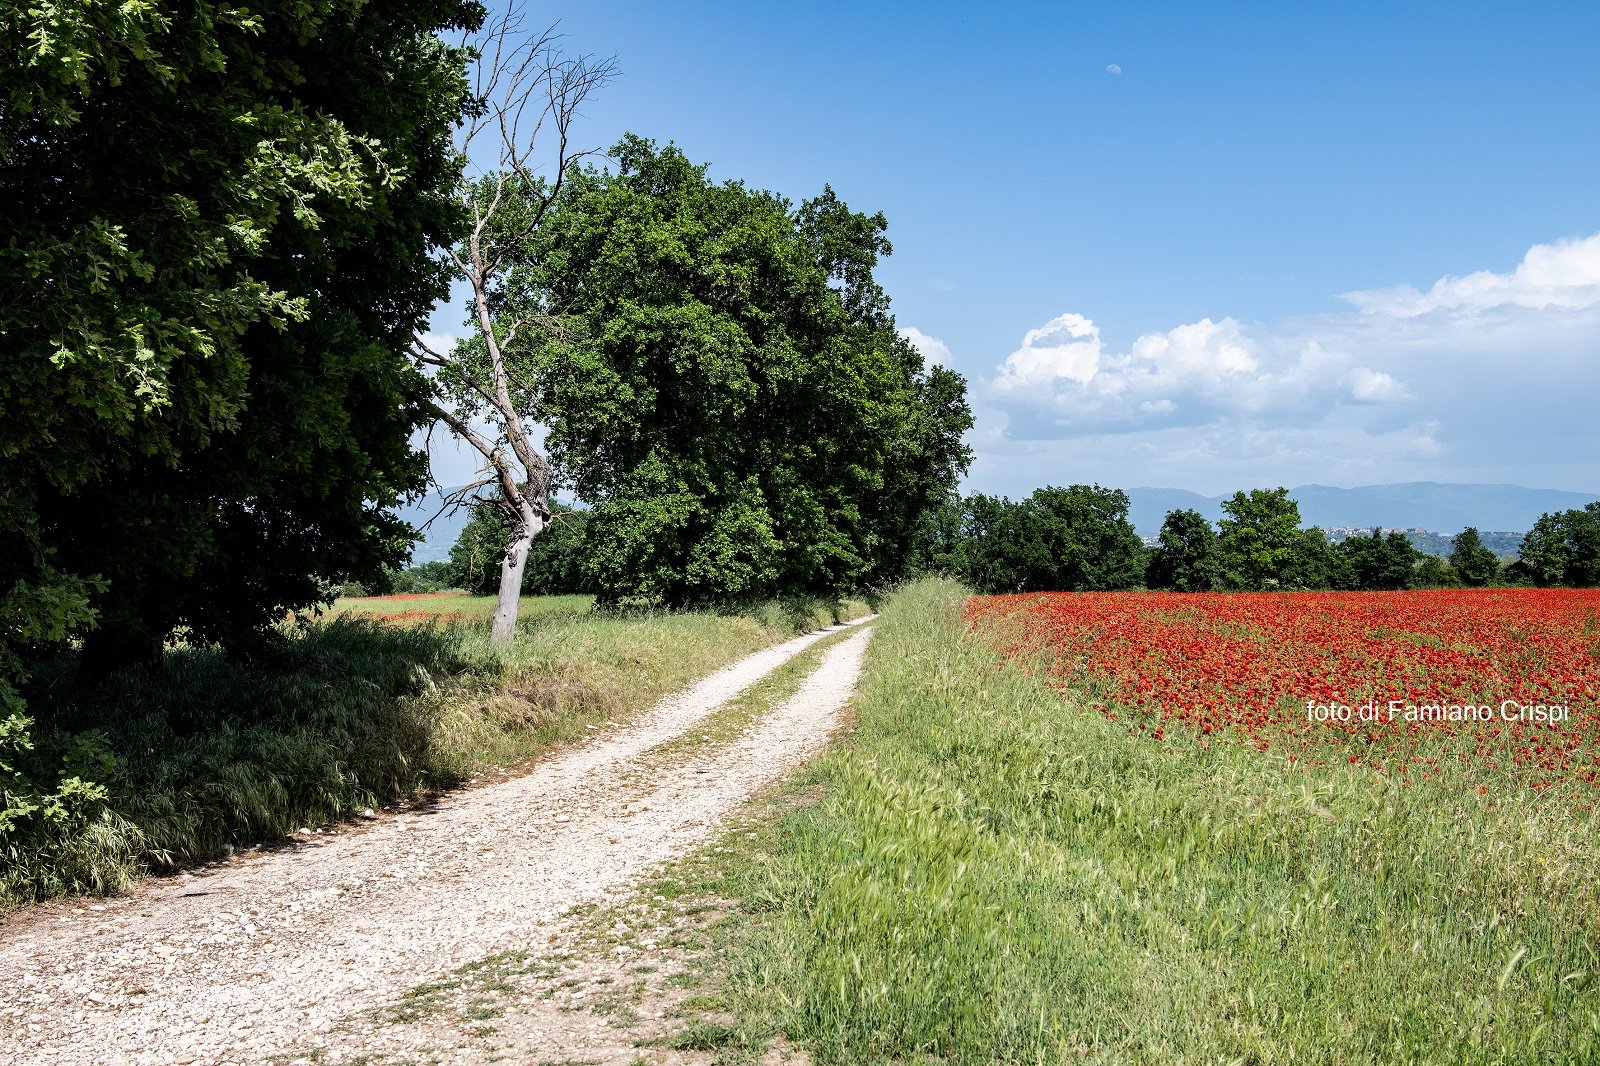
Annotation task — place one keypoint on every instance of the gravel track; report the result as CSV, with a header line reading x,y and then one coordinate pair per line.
x,y
263,957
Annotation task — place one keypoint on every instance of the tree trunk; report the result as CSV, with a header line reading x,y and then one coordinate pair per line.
x,y
512,563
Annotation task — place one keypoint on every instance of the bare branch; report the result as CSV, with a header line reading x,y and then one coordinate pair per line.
x,y
463,429
426,353
527,96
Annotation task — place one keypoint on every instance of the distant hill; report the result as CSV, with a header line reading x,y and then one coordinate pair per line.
x,y
1148,508
441,534
1420,505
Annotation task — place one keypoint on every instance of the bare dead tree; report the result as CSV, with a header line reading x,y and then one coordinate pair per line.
x,y
527,94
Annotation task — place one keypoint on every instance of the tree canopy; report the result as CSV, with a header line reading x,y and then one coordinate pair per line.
x,y
1257,537
1563,548
1379,562
1473,562
1185,558
723,380
1073,539
218,240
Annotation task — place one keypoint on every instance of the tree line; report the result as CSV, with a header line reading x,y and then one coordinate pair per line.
x,y
1079,538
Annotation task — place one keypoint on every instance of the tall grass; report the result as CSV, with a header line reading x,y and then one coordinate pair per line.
x,y
997,875
208,754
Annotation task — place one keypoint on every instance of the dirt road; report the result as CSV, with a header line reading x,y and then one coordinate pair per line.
x,y
263,957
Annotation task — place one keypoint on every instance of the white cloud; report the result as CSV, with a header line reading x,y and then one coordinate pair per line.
x,y
443,343
1482,377
935,351
1067,347
1063,373
1565,274
1374,386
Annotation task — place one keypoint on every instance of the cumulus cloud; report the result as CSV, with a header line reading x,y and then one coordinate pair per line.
x,y
1375,386
1063,372
1065,348
1484,376
935,351
1565,274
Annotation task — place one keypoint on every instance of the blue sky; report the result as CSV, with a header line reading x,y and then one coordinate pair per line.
x,y
1209,246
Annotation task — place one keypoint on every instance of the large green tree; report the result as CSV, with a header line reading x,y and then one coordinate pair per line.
x,y
1315,563
215,248
1258,537
994,553
1474,563
1381,563
1082,541
1185,556
1563,548
722,378
1072,539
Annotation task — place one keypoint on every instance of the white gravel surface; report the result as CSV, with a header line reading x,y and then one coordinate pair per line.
x,y
263,957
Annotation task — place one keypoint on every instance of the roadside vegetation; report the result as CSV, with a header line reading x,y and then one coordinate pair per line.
x,y
205,754
995,872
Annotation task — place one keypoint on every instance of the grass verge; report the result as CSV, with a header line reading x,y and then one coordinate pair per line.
x,y
207,755
994,875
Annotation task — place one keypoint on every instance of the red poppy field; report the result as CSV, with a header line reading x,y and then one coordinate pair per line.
x,y
1484,686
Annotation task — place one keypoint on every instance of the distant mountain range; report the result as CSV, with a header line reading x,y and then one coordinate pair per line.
x,y
1429,505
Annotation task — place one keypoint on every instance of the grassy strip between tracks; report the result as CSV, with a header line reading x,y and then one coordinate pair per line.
x,y
746,709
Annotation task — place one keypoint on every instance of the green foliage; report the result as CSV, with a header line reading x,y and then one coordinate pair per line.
x,y
1258,537
1316,564
555,561
1502,545
1078,538
1378,562
992,554
1073,539
217,240
1564,548
1475,564
1081,540
435,576
1433,572
51,814
1185,557
939,545
728,388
